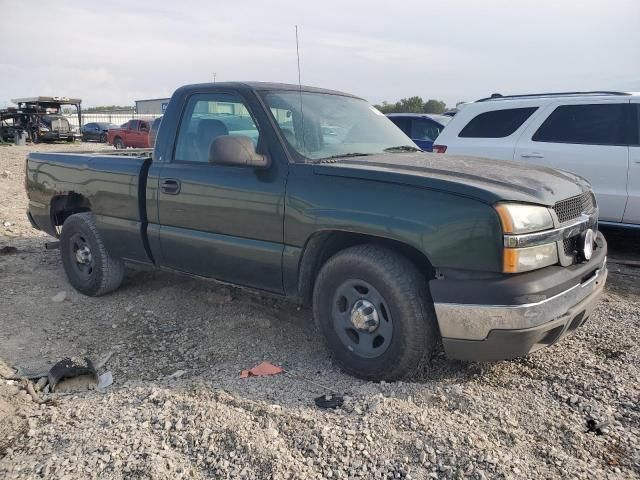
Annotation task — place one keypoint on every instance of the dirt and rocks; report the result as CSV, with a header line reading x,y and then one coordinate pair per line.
x,y
178,409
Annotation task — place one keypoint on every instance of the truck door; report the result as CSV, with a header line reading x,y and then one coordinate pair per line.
x,y
132,134
632,212
589,139
221,221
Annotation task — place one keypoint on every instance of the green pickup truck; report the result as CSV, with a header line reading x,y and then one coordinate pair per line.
x,y
313,195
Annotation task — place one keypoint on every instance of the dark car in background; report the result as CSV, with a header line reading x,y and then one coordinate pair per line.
x,y
422,128
96,131
153,131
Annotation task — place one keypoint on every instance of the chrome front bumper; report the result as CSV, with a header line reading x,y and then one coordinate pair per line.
x,y
475,322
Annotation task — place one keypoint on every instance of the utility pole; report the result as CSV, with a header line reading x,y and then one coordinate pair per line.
x,y
214,77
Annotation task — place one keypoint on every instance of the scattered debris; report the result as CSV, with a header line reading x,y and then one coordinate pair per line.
x,y
105,380
33,369
59,297
329,401
264,369
71,374
7,224
8,250
597,428
5,174
177,374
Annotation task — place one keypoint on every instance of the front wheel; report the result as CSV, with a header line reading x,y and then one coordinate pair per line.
x,y
373,309
119,144
89,267
103,138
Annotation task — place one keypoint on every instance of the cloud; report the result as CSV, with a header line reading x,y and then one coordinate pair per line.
x,y
120,51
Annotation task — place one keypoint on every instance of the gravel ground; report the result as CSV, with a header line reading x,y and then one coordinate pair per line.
x,y
178,409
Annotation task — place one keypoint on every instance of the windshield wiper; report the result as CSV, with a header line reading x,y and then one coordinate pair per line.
x,y
344,155
402,148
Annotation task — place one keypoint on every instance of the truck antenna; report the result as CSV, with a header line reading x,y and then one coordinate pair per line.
x,y
300,88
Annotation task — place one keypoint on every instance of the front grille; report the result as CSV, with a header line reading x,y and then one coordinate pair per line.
x,y
60,125
573,207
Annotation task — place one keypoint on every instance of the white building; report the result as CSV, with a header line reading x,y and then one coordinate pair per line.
x,y
153,106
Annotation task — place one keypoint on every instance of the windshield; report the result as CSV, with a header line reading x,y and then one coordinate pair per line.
x,y
320,125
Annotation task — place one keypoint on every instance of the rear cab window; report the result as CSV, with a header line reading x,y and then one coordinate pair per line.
x,y
496,123
586,124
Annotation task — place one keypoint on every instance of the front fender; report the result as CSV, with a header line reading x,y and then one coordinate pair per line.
x,y
451,230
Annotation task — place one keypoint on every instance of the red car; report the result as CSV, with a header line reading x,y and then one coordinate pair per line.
x,y
134,133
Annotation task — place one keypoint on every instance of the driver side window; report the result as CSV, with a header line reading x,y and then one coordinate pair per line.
x,y
207,117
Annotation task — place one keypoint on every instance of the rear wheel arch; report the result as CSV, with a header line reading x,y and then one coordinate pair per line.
x,y
323,245
63,206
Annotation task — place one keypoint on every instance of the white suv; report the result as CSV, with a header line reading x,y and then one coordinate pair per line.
x,y
593,134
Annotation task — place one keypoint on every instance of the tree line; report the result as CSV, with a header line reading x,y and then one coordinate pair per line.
x,y
413,105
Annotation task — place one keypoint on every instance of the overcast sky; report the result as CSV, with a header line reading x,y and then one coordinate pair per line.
x,y
114,52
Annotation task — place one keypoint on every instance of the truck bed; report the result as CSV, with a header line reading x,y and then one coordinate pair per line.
x,y
111,185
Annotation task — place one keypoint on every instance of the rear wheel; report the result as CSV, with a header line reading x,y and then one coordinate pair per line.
x,y
103,138
89,267
373,308
119,144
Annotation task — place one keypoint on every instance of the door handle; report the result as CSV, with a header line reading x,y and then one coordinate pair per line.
x,y
532,155
170,186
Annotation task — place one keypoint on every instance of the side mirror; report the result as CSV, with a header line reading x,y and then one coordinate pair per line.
x,y
236,150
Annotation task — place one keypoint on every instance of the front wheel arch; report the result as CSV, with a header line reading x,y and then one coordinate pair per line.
x,y
323,244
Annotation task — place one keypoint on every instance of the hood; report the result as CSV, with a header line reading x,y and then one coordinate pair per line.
x,y
487,180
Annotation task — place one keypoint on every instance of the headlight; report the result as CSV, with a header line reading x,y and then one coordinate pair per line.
x,y
523,218
518,219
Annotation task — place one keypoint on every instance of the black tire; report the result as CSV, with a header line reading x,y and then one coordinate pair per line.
x,y
92,271
119,144
406,321
35,137
71,139
103,138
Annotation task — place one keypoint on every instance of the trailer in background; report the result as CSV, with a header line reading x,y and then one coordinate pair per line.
x,y
41,118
